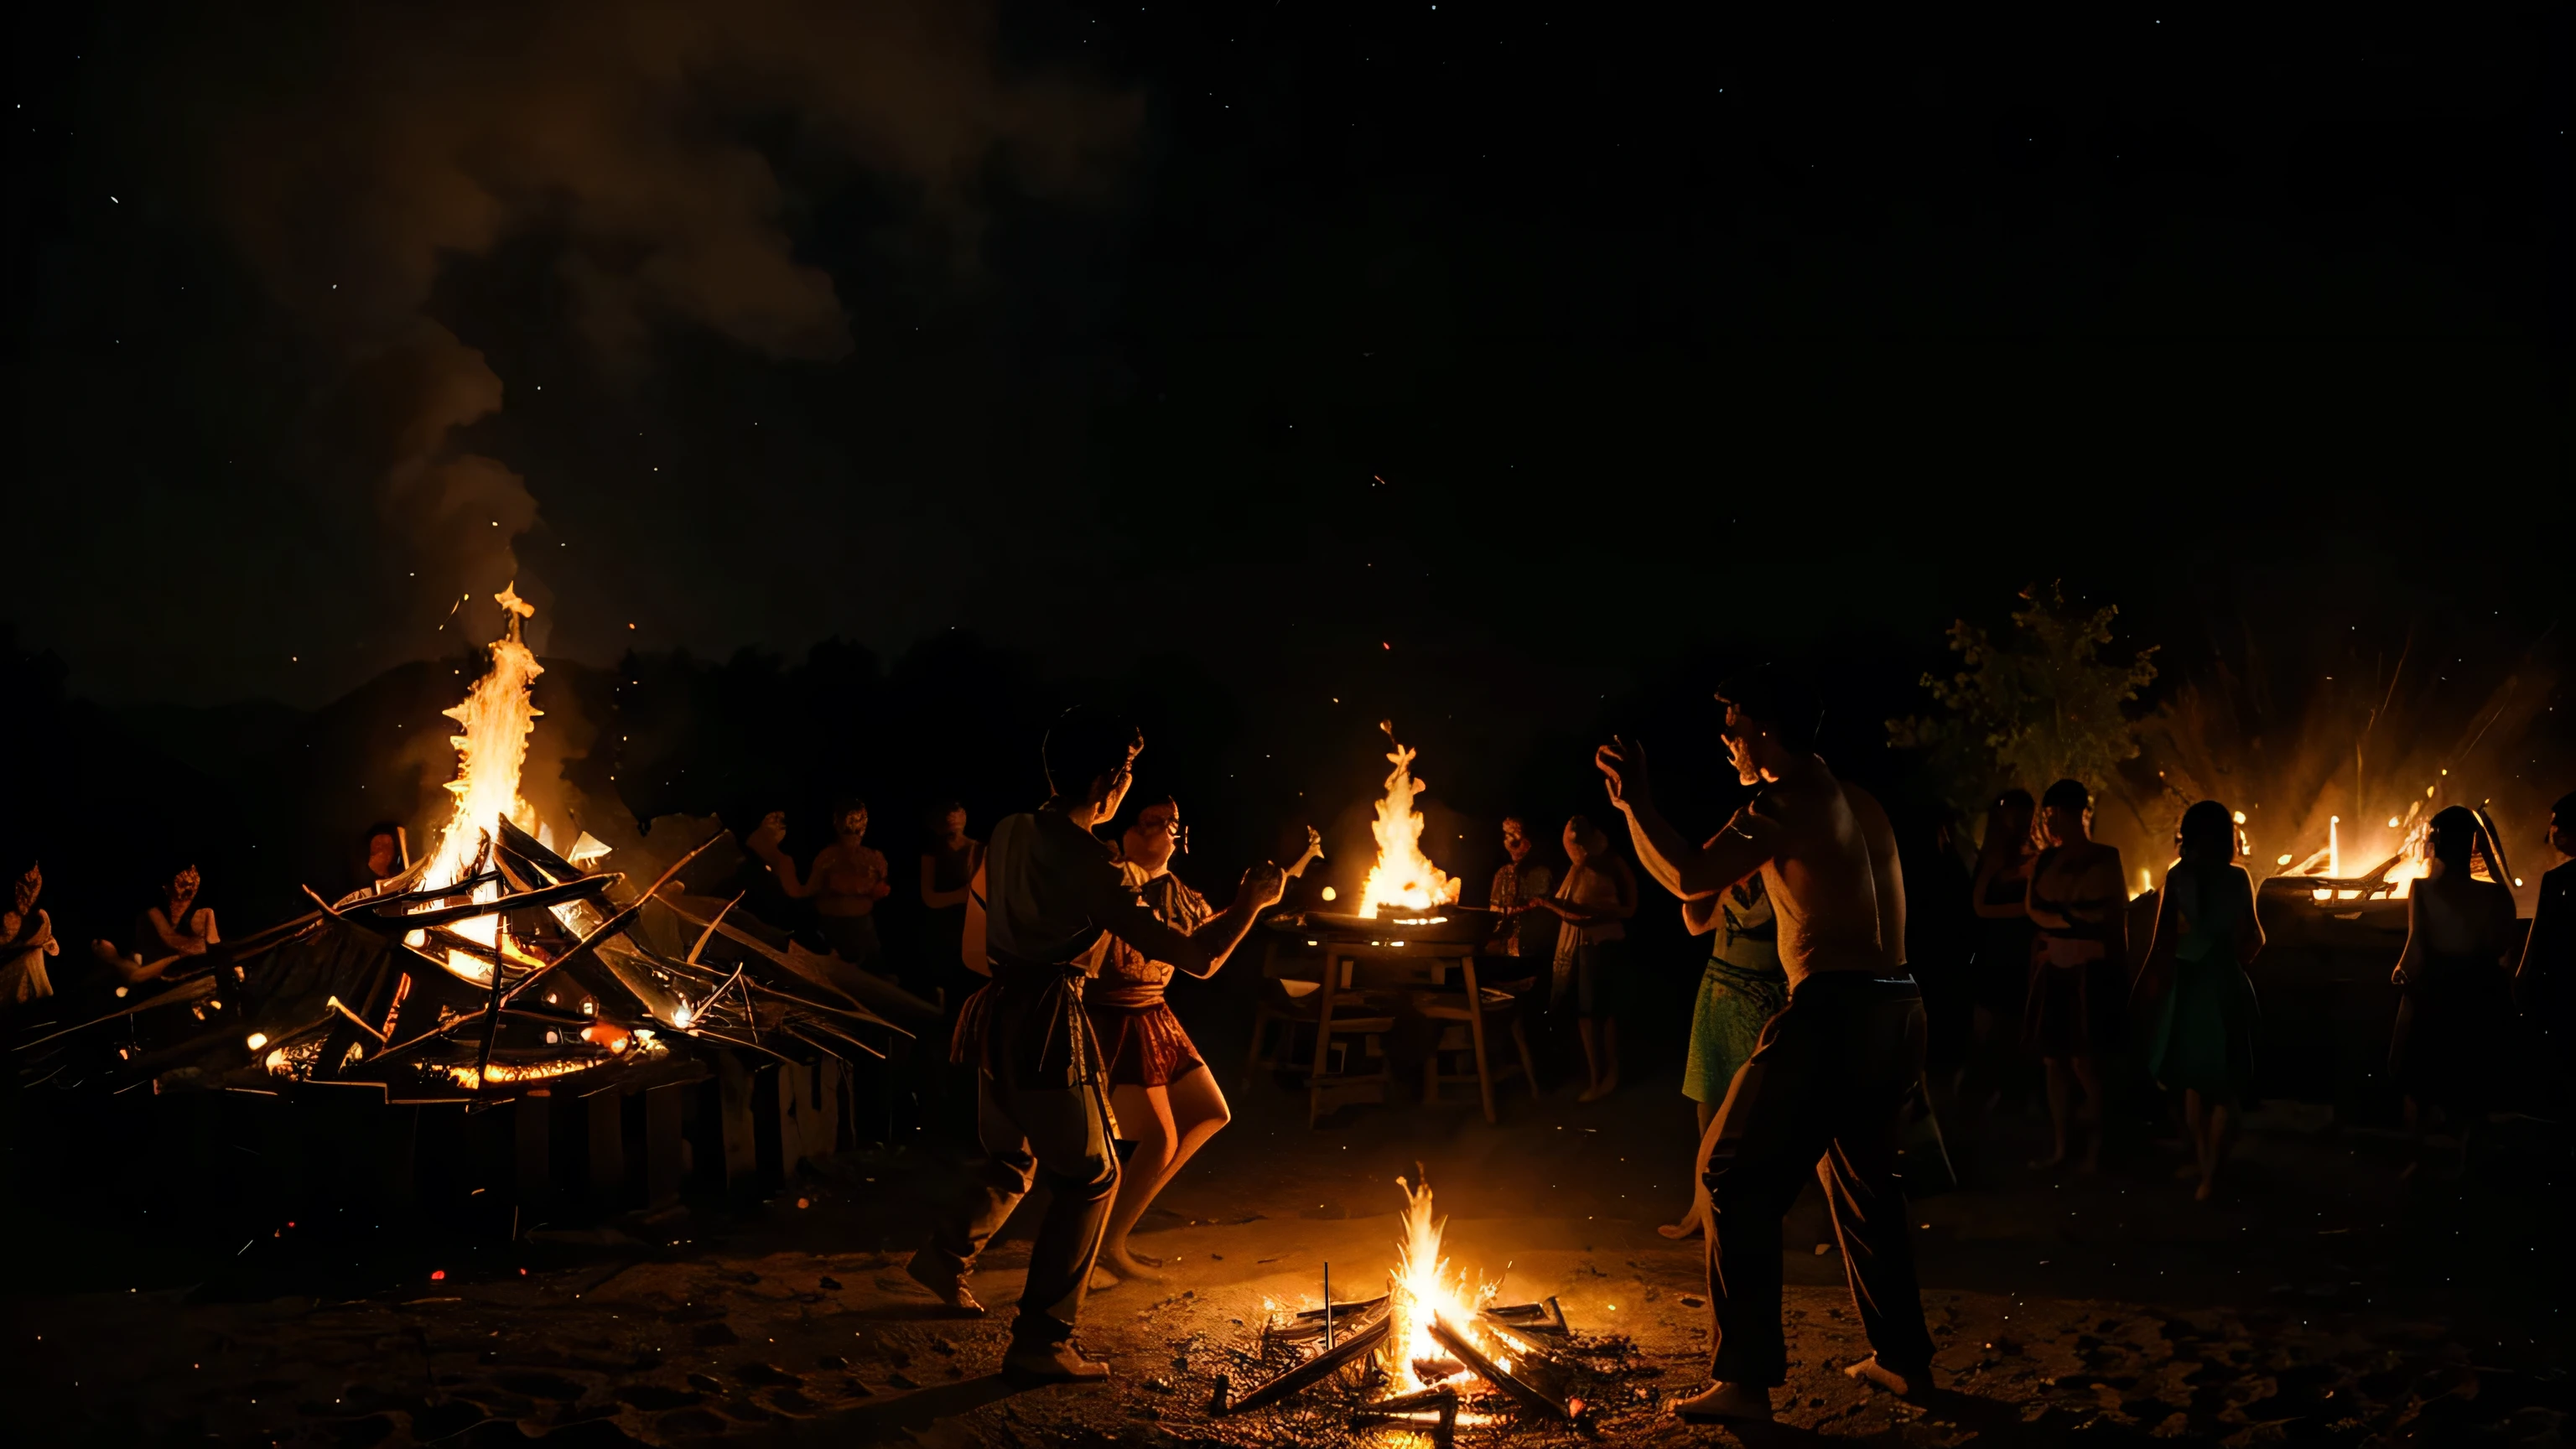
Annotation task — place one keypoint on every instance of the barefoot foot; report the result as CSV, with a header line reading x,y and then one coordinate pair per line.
x,y
1904,1386
1723,1401
1130,1266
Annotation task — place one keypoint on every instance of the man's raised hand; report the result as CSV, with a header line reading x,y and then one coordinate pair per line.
x,y
1622,763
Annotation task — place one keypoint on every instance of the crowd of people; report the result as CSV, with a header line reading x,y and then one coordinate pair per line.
x,y
1808,1030
1055,942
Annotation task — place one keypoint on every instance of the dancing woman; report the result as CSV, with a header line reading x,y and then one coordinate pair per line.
x,y
1165,1099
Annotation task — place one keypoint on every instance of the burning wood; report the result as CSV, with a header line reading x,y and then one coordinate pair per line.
x,y
1495,1370
1323,1365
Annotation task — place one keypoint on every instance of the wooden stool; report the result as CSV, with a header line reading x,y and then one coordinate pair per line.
x,y
1475,1007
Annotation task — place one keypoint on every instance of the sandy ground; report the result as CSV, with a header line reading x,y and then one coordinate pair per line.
x,y
2326,1299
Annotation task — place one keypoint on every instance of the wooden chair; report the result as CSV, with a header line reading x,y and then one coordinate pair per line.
x,y
1464,1018
1343,1012
1285,997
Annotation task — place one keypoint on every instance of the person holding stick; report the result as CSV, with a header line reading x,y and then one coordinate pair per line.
x,y
1825,1089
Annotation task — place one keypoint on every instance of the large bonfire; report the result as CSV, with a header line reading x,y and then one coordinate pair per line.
x,y
1403,877
493,722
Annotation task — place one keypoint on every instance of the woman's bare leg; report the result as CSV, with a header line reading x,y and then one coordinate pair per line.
x,y
2058,1091
1146,1114
2195,1122
1199,1112
1696,1219
1605,1078
2222,1135
2091,1081
1590,1031
1184,1115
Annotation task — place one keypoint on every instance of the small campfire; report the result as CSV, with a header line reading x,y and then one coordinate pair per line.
x,y
1432,1351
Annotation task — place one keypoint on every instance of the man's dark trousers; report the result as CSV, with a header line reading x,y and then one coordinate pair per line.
x,y
1823,1093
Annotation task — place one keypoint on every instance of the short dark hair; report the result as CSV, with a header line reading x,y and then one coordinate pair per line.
x,y
1782,698
854,802
936,813
1085,744
2564,811
2208,833
2066,795
2015,798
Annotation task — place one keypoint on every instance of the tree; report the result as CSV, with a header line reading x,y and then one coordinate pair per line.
x,y
2038,705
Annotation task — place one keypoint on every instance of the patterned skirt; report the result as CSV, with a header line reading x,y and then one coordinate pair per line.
x,y
1144,1044
1726,1025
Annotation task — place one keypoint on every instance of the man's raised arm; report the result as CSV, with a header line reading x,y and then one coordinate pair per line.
x,y
1687,870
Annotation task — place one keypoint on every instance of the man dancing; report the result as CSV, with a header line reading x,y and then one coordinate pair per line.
x,y
1039,914
1824,1089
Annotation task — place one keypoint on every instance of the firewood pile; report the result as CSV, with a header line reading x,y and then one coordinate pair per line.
x,y
525,975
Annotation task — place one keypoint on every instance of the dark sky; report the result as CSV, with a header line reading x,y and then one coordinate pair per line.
x,y
1269,332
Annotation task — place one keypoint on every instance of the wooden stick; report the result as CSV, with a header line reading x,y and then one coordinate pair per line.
x,y
1527,1395
1314,1370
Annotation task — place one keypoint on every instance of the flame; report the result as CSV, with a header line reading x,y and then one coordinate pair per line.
x,y
491,747
1403,875
1425,1286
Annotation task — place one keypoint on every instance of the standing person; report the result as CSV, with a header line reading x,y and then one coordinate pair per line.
x,y
1740,989
1524,932
1999,970
170,935
26,939
2078,900
948,865
2205,934
847,880
1048,901
2544,983
1592,906
1834,1069
1163,1096
2457,1008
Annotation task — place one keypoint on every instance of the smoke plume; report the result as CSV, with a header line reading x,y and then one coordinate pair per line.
x,y
636,139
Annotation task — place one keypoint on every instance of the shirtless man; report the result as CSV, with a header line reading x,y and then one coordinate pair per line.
x,y
1825,1089
847,881
1039,917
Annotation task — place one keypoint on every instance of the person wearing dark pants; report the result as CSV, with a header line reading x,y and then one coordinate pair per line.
x,y
1826,1086
1029,1132
1039,915
1821,1094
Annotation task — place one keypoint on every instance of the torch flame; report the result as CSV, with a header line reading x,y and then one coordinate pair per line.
x,y
1403,875
491,747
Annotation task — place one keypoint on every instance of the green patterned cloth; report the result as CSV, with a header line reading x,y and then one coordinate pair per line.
x,y
1740,990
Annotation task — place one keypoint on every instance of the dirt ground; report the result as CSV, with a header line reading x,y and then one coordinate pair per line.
x,y
2331,1297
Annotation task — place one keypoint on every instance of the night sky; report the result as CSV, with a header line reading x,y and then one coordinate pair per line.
x,y
1439,327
